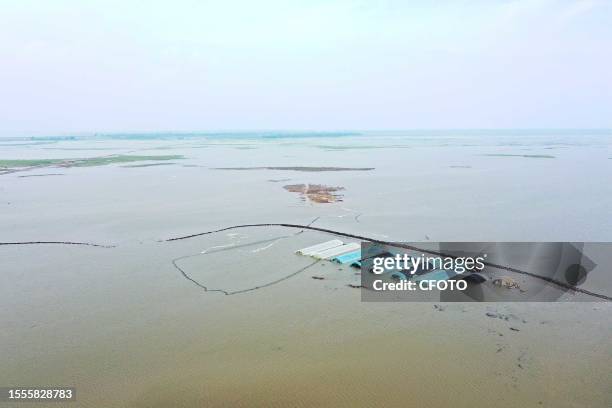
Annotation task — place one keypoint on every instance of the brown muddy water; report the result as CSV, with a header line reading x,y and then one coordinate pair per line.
x,y
126,328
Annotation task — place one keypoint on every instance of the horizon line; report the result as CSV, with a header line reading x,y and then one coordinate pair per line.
x,y
287,130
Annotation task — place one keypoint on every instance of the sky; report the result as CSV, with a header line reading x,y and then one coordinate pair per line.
x,y
182,65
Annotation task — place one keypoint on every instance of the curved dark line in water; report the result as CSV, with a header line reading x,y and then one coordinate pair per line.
x,y
397,245
57,243
229,293
291,275
308,227
236,292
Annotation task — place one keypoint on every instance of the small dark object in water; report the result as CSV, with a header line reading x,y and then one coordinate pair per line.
x,y
506,282
492,314
439,308
318,277
355,286
514,329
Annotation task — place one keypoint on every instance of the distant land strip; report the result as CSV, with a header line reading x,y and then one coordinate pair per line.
x,y
57,243
298,168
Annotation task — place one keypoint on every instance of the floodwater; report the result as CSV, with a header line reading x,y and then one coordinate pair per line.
x,y
235,318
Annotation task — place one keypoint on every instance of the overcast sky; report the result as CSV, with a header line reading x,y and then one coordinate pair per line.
x,y
86,66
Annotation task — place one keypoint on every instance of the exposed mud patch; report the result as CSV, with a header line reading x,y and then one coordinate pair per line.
x,y
316,193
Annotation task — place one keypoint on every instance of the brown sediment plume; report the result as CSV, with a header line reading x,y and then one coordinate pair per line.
x,y
316,193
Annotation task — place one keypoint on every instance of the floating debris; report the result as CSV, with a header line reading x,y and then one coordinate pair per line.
x,y
439,308
316,193
506,282
506,317
318,277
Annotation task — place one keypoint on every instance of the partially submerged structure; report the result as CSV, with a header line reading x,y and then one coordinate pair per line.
x,y
350,254
335,250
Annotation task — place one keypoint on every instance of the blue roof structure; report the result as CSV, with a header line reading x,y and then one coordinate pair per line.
x,y
349,257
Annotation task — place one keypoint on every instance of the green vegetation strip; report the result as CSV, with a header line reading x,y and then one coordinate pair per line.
x,y
86,162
